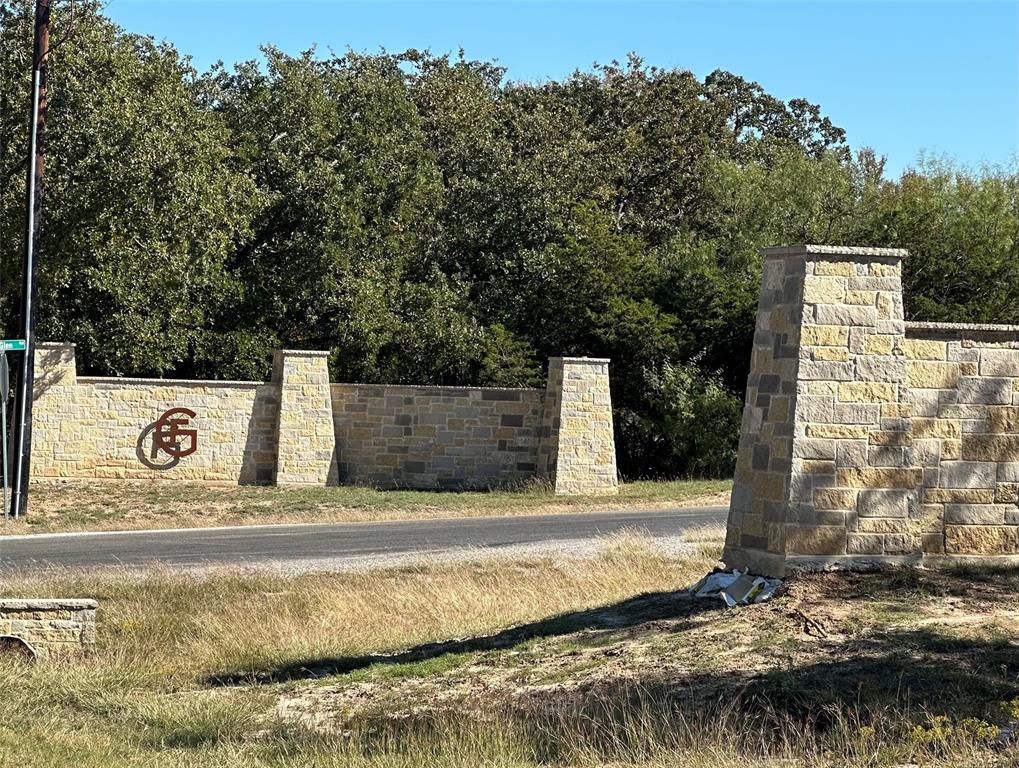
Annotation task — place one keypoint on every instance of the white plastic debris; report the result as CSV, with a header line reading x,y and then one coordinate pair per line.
x,y
736,587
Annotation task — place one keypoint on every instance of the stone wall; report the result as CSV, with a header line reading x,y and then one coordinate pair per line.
x,y
428,437
578,421
49,628
866,439
102,428
298,429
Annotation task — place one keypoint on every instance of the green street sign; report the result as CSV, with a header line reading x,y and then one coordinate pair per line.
x,y
12,345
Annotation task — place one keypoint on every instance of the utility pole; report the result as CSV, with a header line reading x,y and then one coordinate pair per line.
x,y
30,265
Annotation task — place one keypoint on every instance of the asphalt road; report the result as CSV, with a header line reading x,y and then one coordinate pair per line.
x,y
333,542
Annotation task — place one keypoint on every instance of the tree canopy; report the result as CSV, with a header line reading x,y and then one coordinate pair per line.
x,y
428,220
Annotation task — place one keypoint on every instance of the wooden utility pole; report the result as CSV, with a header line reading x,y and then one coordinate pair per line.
x,y
30,265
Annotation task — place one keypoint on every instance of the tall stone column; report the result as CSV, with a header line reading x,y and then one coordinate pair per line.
x,y
825,428
578,451
306,438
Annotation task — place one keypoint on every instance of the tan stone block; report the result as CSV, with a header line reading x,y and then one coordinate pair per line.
x,y
824,335
835,354
951,450
835,268
931,375
820,387
864,544
944,428
834,498
880,269
924,349
879,477
822,289
815,539
896,410
874,344
861,298
1003,419
958,495
846,431
778,410
817,467
1006,493
990,447
981,539
867,392
890,437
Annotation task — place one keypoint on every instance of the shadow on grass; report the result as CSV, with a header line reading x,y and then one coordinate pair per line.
x,y
641,610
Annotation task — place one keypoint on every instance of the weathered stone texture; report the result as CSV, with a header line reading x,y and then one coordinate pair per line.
x,y
910,431
579,424
96,428
298,429
50,628
306,452
436,437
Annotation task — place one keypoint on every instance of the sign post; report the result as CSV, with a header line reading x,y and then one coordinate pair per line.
x,y
5,389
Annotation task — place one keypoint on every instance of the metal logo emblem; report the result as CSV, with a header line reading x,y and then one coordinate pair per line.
x,y
170,435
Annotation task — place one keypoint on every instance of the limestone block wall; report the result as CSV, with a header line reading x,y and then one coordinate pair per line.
x,y
101,428
886,442
964,401
436,437
298,429
49,628
581,453
306,453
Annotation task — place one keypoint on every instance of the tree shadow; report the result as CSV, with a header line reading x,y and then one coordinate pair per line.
x,y
643,610
258,464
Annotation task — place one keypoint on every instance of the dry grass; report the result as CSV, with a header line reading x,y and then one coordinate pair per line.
x,y
132,506
564,663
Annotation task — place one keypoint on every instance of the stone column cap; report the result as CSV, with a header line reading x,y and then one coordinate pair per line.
x,y
47,604
588,360
851,251
303,352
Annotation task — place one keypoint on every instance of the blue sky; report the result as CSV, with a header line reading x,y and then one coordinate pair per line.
x,y
901,77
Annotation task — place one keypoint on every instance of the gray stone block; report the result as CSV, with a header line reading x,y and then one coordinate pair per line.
x,y
883,503
977,514
968,474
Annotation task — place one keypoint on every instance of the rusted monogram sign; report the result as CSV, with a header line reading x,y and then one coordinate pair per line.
x,y
172,435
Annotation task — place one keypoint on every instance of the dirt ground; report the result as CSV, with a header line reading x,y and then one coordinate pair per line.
x,y
935,645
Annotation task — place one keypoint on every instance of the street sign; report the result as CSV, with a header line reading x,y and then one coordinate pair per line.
x,y
12,345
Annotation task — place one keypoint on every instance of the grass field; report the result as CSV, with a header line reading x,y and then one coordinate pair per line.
x,y
125,506
567,663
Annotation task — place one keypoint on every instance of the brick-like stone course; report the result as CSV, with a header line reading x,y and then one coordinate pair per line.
x,y
50,628
299,429
578,421
436,437
890,442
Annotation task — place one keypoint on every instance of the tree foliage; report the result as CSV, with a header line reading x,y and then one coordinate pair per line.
x,y
427,220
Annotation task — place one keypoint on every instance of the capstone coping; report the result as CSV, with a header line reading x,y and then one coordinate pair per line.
x,y
956,329
808,249
583,360
54,604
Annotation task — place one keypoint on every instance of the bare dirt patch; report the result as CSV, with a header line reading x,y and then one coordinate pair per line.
x,y
933,645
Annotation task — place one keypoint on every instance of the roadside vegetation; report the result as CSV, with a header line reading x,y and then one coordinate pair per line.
x,y
428,220
109,506
564,663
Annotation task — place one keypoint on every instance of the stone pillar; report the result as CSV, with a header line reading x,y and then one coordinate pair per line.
x,y
578,453
824,429
55,366
306,440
